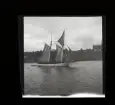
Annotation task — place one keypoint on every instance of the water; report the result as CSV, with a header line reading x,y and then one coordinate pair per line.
x,y
84,76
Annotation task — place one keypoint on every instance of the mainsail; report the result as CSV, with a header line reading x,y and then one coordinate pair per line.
x,y
63,55
59,56
46,54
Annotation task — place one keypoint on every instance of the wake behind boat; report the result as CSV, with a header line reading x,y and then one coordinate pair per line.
x,y
62,58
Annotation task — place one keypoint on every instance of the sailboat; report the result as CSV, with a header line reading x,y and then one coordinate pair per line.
x,y
62,58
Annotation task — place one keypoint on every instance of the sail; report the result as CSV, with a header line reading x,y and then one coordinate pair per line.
x,y
65,55
70,51
46,54
59,56
61,40
69,54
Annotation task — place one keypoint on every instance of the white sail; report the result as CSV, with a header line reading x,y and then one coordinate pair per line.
x,y
46,54
69,54
59,55
65,55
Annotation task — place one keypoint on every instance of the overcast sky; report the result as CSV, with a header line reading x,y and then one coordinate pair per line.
x,y
80,32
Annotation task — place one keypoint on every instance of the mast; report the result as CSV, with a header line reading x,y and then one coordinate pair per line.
x,y
63,47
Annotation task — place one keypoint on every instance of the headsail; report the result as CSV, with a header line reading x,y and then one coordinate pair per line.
x,y
59,56
46,54
65,55
69,54
61,40
70,51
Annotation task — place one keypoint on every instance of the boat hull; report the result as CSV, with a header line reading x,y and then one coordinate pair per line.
x,y
53,65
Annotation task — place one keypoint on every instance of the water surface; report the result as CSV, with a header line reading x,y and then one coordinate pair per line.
x,y
84,76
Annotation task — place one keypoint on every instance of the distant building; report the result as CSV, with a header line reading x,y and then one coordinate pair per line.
x,y
97,47
87,50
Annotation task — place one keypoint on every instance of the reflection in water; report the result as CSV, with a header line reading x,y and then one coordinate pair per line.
x,y
56,79
63,80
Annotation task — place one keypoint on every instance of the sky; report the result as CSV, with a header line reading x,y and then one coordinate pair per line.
x,y
80,32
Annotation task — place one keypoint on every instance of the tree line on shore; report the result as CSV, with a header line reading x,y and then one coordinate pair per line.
x,y
80,55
